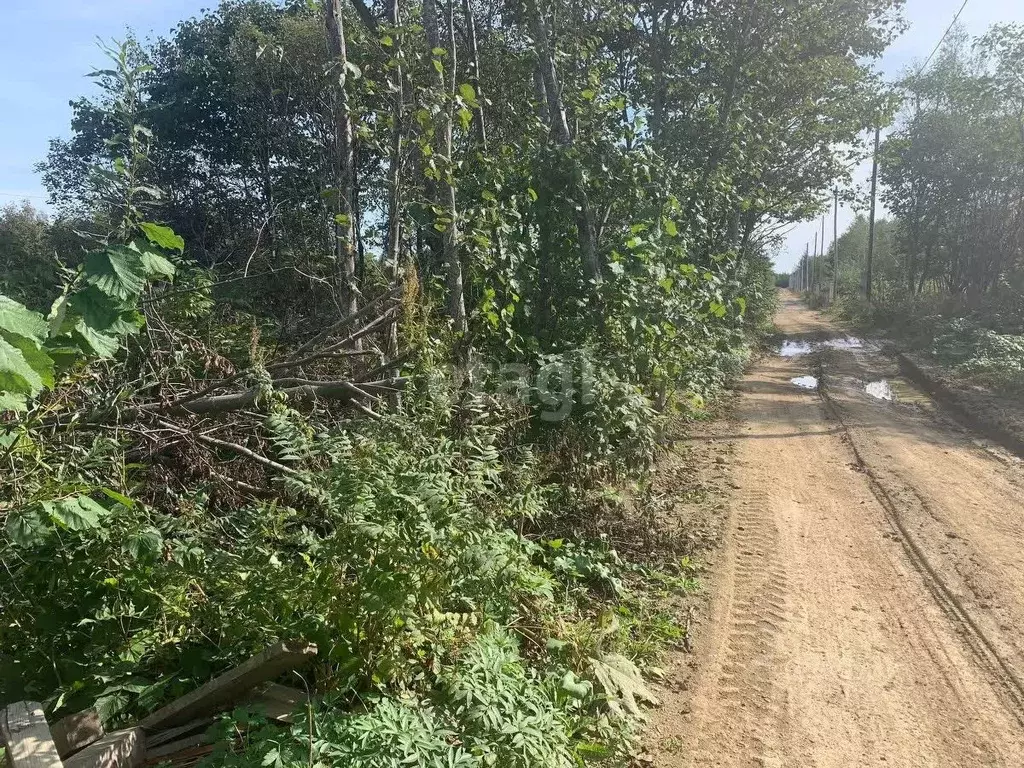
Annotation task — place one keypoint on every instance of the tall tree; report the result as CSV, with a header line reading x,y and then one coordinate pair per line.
x,y
556,113
344,148
444,182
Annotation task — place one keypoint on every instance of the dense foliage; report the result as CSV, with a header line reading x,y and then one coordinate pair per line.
x,y
575,202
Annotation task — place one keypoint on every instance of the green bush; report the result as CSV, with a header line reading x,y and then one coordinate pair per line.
x,y
489,710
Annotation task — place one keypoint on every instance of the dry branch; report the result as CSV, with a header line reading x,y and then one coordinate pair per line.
x,y
215,442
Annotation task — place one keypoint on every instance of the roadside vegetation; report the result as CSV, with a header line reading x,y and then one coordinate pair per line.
x,y
949,262
361,325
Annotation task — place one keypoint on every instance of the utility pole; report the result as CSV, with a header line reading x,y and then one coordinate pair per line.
x,y
821,261
803,281
814,261
871,222
835,247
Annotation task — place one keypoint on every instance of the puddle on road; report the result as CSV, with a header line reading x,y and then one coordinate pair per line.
x,y
805,382
881,389
792,348
795,348
849,342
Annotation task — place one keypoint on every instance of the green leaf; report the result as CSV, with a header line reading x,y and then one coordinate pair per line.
x,y
467,92
532,193
578,689
117,272
163,236
38,360
156,266
588,94
27,528
387,40
78,514
100,314
670,227
120,498
12,402
144,545
19,319
58,311
96,342
742,302
16,375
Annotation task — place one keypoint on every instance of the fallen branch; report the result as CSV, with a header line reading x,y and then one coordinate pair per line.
x,y
344,322
239,449
388,314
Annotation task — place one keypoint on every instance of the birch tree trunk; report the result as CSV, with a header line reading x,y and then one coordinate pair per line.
x,y
445,189
474,78
344,232
395,169
560,127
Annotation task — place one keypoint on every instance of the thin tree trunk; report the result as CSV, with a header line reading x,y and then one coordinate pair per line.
x,y
658,32
541,94
445,190
395,181
925,267
559,122
357,216
835,247
344,160
869,277
474,77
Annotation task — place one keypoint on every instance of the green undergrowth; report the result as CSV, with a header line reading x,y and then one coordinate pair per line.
x,y
453,628
978,342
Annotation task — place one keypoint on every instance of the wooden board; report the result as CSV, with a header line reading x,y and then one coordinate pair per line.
x,y
231,686
76,731
120,749
186,744
154,740
26,735
278,702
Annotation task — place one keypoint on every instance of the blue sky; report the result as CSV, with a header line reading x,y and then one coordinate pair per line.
x,y
46,48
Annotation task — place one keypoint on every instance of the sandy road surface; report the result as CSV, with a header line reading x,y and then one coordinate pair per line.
x,y
869,599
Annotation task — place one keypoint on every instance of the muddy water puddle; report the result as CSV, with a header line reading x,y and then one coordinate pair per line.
x,y
896,390
797,348
880,390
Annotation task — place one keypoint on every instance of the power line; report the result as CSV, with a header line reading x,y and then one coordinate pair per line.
x,y
943,38
19,195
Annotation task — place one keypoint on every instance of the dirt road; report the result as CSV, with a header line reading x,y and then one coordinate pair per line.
x,y
869,598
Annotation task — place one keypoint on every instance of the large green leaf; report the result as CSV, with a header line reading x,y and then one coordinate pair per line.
x,y
16,375
99,321
38,360
27,527
145,544
12,402
96,342
156,266
19,319
117,272
78,514
163,236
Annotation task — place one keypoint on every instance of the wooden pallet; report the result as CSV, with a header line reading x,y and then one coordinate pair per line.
x,y
176,733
